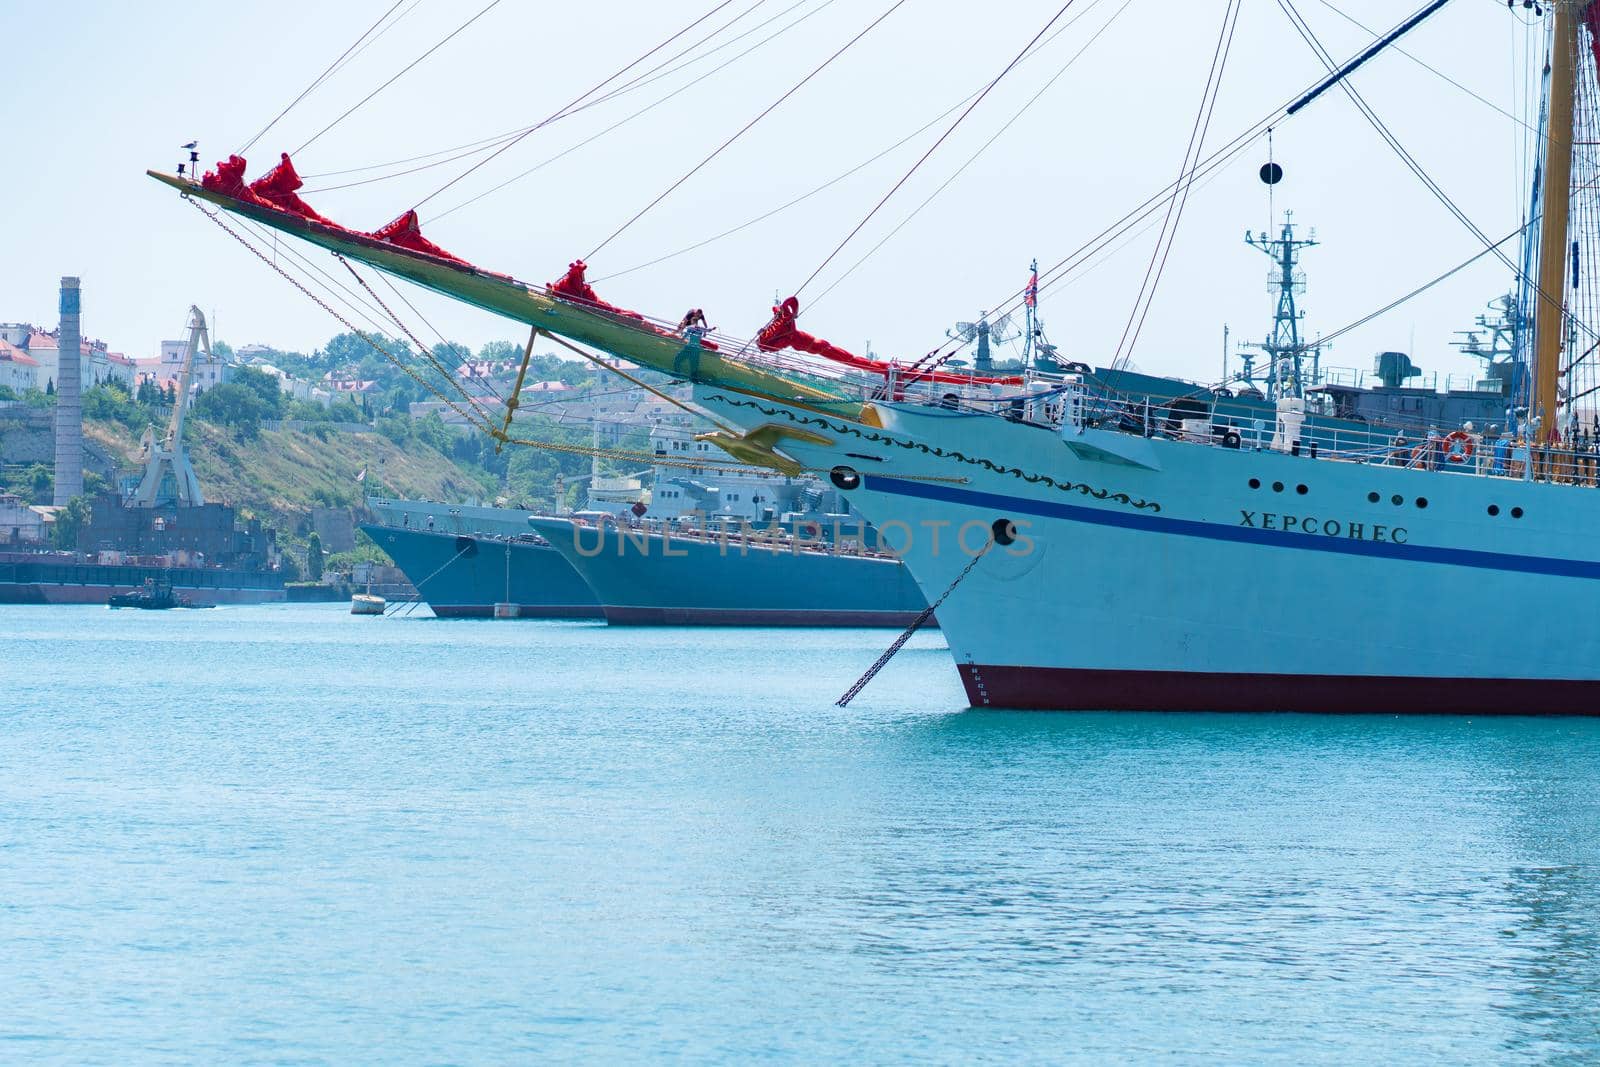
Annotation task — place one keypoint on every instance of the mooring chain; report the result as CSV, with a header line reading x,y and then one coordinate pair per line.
x,y
916,624
418,587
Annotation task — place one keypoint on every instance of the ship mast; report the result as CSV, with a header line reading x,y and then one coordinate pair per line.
x,y
1286,349
1557,185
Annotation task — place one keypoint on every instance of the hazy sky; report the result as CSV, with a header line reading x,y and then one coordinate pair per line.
x,y
97,92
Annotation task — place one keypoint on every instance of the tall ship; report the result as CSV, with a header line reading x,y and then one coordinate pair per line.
x,y
1107,550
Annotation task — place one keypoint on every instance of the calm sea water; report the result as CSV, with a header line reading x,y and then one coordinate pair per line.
x,y
283,834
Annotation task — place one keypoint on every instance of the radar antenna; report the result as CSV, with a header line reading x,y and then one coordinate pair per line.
x,y
1001,331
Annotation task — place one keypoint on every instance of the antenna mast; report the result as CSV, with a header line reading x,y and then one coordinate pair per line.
x,y
1285,349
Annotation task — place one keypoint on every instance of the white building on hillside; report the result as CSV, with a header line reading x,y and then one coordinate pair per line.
x,y
19,371
206,373
94,362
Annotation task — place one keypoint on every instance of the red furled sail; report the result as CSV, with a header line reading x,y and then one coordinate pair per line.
x,y
277,190
782,333
228,179
406,232
574,286
1591,21
280,186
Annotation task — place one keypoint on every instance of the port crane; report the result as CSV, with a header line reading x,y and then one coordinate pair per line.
x,y
168,477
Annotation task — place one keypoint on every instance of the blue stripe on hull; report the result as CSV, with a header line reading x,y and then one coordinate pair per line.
x,y
1009,506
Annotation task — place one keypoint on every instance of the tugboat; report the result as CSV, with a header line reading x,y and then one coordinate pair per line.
x,y
155,595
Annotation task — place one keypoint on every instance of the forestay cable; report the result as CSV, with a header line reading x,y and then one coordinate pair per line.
x,y
320,78
580,98
746,128
483,144
401,73
935,146
1186,178
641,111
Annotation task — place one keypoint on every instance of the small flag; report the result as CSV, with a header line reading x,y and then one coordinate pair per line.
x,y
1030,296
362,476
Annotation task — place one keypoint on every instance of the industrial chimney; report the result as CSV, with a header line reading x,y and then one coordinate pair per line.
x,y
69,399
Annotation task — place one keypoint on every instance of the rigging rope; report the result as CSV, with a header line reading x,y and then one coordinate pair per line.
x,y
320,78
830,183
646,386
402,72
935,146
976,155
746,128
1186,176
916,624
472,419
1099,242
1416,168
642,111
470,148
438,365
1435,71
578,100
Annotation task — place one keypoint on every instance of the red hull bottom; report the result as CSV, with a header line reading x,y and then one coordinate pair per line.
x,y
1067,689
524,611
754,617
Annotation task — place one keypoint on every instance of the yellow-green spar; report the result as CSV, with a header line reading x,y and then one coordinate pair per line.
x,y
504,295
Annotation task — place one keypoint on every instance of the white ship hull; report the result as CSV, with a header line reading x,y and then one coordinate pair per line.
x,y
1149,574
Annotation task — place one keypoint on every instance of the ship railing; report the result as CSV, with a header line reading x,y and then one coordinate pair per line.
x,y
1488,457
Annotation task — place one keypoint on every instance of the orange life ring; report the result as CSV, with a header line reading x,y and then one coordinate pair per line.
x,y
1460,446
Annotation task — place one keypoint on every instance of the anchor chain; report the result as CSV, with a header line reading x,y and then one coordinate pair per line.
x,y
916,624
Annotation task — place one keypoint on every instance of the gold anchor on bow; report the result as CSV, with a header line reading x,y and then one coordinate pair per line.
x,y
758,447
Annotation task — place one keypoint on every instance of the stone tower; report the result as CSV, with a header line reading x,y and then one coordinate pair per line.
x,y
69,398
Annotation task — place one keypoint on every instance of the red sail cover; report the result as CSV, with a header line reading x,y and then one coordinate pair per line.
x,y
1591,20
228,179
279,186
277,190
575,287
782,333
406,232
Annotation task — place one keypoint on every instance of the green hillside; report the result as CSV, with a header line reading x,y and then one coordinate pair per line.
x,y
280,475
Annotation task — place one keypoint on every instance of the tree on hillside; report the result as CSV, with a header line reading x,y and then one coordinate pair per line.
x,y
263,385
41,483
500,352
349,349
451,354
69,520
238,407
314,557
